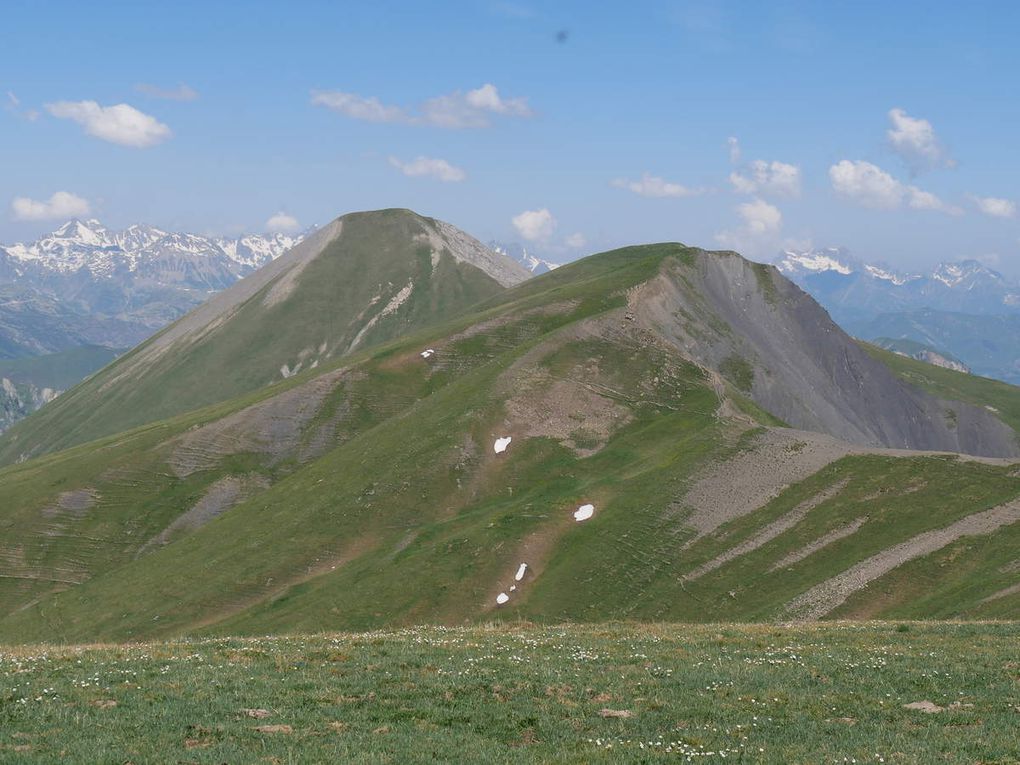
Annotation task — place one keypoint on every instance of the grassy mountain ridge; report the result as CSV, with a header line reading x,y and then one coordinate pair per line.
x,y
365,492
361,280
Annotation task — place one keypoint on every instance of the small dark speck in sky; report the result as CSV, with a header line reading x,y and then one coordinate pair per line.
x,y
562,35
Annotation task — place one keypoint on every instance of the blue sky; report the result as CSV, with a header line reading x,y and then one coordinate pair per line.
x,y
890,129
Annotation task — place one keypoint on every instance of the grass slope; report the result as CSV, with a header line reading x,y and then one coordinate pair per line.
x,y
522,694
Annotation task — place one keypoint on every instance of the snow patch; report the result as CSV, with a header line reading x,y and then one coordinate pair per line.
x,y
502,598
427,353
501,444
520,572
584,512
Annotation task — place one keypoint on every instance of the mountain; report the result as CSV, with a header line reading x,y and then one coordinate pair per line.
x,y
921,352
682,434
964,309
519,253
361,280
84,284
849,288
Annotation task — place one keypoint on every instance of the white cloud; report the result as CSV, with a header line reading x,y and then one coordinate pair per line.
x,y
734,147
282,223
62,204
181,93
914,139
866,184
428,166
13,99
473,109
770,178
576,241
653,186
358,107
925,200
759,230
870,186
760,217
535,225
121,124
487,98
995,207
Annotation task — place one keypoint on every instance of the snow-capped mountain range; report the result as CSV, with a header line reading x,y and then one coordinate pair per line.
x,y
519,252
963,311
91,247
848,286
86,284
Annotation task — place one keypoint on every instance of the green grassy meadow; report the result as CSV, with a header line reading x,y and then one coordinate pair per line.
x,y
508,693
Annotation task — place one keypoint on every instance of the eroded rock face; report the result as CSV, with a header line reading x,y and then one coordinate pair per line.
x,y
777,345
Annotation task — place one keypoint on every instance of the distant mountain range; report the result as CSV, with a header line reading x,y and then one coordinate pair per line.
x,y
86,284
83,290
964,311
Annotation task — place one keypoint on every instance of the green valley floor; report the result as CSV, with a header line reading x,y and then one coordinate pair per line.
x,y
911,692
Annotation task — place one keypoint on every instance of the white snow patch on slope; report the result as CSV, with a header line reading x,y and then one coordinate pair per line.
x,y
502,598
520,572
584,512
501,444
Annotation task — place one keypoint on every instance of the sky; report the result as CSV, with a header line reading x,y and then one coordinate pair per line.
x,y
571,127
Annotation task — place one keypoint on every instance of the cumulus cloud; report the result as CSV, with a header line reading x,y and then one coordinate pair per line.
x,y
428,166
63,204
768,178
282,223
120,124
758,233
995,207
652,186
471,109
760,217
181,93
535,225
870,186
915,141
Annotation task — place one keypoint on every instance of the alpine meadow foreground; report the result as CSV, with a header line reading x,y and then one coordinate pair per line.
x,y
814,693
